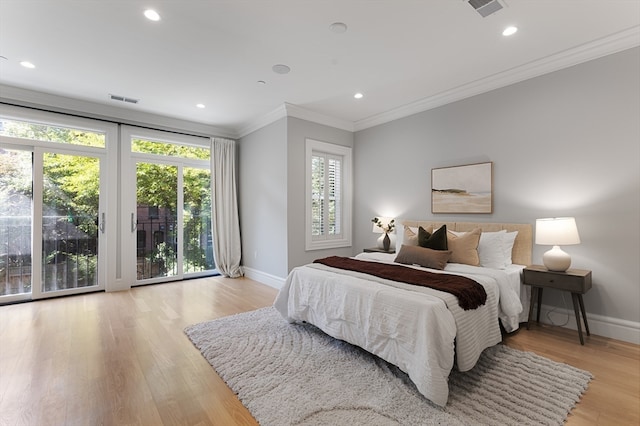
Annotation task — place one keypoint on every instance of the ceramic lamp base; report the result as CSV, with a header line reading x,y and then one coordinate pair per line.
x,y
556,259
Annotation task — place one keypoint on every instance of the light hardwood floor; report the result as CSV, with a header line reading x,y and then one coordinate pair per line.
x,y
123,359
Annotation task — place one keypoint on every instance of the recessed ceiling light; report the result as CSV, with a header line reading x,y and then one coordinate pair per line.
x,y
152,15
338,27
200,105
281,69
358,95
509,31
262,82
27,64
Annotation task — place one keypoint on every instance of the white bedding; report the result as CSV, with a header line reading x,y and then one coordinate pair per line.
x,y
409,326
511,312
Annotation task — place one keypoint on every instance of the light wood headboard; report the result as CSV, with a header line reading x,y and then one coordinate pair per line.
x,y
522,246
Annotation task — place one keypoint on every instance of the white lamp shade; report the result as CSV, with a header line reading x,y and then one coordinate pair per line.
x,y
384,221
557,231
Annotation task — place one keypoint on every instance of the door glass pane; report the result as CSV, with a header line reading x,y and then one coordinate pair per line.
x,y
198,249
169,149
157,201
15,221
48,133
71,188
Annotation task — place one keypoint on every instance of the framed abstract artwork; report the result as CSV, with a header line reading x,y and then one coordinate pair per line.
x,y
462,189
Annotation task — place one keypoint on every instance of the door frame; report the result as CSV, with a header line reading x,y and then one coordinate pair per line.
x,y
36,233
108,198
129,161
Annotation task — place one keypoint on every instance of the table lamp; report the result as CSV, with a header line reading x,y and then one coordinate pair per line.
x,y
557,231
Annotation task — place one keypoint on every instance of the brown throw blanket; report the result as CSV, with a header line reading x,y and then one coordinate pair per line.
x,y
470,293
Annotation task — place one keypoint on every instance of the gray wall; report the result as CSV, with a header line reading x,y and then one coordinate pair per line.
x,y
262,199
272,194
297,132
563,144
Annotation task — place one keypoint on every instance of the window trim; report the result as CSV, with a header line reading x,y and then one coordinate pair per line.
x,y
345,240
55,119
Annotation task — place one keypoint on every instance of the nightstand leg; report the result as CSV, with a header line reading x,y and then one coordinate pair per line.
x,y
532,301
539,304
584,315
576,309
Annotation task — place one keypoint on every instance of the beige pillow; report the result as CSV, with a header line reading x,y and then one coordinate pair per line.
x,y
410,236
429,258
464,248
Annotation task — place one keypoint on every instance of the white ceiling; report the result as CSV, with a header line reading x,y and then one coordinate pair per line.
x,y
404,56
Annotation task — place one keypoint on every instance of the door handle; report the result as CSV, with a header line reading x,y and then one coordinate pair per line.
x,y
102,223
133,222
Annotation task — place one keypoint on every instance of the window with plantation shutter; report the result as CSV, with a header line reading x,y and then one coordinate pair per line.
x,y
328,207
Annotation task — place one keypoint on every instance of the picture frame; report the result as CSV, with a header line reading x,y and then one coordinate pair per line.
x,y
462,189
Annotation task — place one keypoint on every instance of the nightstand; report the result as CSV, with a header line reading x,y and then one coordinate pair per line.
x,y
575,281
378,250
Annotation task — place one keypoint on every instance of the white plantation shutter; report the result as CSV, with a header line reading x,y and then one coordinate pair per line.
x,y
334,191
328,195
317,195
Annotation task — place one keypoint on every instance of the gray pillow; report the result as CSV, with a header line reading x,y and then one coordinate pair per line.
x,y
426,257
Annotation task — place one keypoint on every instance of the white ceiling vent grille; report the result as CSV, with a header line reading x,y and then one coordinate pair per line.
x,y
486,7
123,99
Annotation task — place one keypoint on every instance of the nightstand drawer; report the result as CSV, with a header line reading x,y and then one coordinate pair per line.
x,y
575,281
378,250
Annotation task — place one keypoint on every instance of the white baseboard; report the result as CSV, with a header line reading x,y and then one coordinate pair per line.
x,y
613,328
264,278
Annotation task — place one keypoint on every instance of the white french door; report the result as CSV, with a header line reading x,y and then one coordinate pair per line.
x,y
53,205
75,216
51,244
68,233
167,206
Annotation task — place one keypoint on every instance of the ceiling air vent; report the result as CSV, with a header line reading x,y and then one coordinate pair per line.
x,y
123,99
486,7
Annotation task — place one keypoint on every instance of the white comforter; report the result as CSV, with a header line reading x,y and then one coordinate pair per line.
x,y
409,326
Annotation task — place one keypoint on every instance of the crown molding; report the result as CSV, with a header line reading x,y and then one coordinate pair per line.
x,y
611,44
291,110
262,121
615,43
315,117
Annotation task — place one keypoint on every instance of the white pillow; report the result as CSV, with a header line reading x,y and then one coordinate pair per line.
x,y
507,245
491,249
494,248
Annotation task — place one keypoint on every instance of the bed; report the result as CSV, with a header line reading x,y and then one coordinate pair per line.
x,y
422,330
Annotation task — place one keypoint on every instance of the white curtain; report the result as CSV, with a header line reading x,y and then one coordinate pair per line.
x,y
224,205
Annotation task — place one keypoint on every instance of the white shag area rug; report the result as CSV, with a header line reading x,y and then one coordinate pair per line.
x,y
294,374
